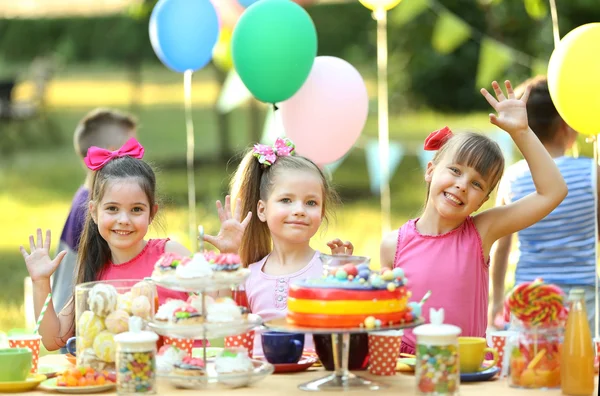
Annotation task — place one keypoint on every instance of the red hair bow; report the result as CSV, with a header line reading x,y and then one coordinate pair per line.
x,y
436,139
97,157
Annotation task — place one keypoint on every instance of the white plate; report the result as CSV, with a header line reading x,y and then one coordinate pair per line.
x,y
206,329
212,379
50,385
219,281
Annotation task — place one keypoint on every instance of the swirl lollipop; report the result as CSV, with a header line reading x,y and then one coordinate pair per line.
x,y
536,303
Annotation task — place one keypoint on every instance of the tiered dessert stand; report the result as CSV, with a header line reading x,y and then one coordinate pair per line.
x,y
341,379
207,330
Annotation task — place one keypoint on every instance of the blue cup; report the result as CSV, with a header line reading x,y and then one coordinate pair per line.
x,y
282,348
72,346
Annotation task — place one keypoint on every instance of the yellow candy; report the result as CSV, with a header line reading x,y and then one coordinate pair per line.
x,y
90,325
387,275
391,287
370,322
104,346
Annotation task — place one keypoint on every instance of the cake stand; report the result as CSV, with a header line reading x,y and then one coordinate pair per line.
x,y
341,379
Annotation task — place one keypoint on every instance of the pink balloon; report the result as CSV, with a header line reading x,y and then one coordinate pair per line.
x,y
327,115
229,11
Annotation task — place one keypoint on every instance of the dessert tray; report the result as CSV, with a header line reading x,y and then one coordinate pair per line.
x,y
206,329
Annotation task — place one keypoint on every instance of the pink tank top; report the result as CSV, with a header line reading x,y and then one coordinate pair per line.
x,y
141,266
268,294
452,266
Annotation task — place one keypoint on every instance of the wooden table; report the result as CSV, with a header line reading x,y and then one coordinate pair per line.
x,y
286,384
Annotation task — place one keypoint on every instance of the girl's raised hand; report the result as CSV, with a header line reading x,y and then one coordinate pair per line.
x,y
39,264
512,112
229,238
339,247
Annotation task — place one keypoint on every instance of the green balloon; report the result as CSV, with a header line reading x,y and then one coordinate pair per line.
x,y
274,45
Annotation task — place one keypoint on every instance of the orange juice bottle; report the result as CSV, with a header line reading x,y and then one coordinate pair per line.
x,y
577,358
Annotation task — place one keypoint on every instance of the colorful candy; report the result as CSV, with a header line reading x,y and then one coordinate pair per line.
x,y
437,369
135,372
536,303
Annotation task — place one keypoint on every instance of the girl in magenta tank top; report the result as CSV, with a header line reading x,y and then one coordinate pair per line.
x,y
447,249
122,205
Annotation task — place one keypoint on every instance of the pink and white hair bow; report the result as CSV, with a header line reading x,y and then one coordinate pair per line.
x,y
267,155
97,157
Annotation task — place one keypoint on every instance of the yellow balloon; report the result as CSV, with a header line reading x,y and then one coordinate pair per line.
x,y
574,78
380,4
222,50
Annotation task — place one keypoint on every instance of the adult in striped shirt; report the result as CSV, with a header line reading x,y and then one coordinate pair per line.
x,y
560,248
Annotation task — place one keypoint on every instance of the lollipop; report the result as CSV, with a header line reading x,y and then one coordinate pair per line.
x,y
536,303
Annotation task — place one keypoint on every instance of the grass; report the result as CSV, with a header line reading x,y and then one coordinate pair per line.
x,y
37,181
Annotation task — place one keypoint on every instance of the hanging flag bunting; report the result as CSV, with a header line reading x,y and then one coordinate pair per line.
x,y
536,9
506,144
494,58
424,157
406,11
233,93
273,128
332,167
539,67
396,153
449,33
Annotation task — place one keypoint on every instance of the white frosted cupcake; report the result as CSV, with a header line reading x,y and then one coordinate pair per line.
x,y
197,267
234,361
225,310
165,311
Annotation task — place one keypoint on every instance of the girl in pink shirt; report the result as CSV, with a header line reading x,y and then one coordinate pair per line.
x,y
290,196
122,205
447,249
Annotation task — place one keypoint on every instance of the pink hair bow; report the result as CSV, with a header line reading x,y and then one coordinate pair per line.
x,y
267,155
436,139
97,157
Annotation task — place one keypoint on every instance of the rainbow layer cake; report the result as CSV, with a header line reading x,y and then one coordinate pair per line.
x,y
351,296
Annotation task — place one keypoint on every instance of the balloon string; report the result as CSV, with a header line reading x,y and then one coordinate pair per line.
x,y
189,126
595,179
554,22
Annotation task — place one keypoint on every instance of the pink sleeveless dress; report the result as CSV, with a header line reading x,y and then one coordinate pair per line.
x,y
141,266
452,266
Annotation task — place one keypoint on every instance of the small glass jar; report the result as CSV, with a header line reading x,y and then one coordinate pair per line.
x,y
535,357
437,368
136,360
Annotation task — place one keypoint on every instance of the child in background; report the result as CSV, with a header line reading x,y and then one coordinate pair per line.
x,y
105,128
447,249
560,248
290,197
121,207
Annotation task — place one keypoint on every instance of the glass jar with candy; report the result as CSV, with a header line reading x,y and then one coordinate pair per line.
x,y
534,350
102,310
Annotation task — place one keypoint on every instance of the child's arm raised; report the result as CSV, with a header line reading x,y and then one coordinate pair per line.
x,y
550,186
54,329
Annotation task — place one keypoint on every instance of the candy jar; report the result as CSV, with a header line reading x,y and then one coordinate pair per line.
x,y
437,366
136,360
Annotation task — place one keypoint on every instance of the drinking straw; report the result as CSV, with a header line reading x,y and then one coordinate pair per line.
x,y
39,321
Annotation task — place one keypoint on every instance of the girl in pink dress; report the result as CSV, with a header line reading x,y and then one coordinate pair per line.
x,y
447,249
290,197
122,206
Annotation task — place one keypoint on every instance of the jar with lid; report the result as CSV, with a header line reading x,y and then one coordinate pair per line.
x,y
136,360
437,368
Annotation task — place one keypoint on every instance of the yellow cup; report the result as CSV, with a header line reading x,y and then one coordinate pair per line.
x,y
471,352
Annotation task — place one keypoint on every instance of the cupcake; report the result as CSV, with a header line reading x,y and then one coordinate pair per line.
x,y
167,357
165,312
225,310
226,266
190,367
196,301
187,315
167,263
196,268
234,361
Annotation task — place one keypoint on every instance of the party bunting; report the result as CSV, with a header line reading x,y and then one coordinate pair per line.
x,y
233,93
376,176
449,33
494,58
407,10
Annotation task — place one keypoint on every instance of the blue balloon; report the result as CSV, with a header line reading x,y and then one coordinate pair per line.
x,y
247,3
183,33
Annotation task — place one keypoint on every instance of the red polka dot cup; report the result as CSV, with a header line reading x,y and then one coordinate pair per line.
x,y
30,341
498,341
245,341
597,349
182,343
384,348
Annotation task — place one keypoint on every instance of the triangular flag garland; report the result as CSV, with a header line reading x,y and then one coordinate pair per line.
x,y
424,157
396,153
407,10
494,58
331,168
272,129
506,144
449,33
233,93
